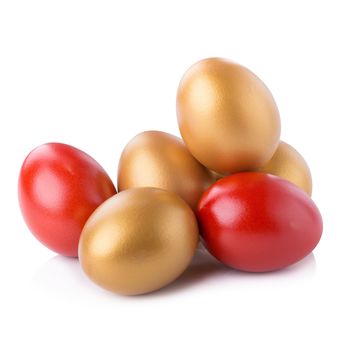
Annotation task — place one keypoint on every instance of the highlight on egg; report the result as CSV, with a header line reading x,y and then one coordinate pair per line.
x,y
158,159
138,241
289,164
227,116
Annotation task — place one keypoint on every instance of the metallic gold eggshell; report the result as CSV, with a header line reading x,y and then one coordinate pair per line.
x,y
288,163
158,159
138,241
227,116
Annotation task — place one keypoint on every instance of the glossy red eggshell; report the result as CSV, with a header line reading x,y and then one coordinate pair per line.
x,y
59,187
257,222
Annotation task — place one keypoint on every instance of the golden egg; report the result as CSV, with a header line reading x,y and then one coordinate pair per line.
x,y
158,159
227,116
290,165
138,241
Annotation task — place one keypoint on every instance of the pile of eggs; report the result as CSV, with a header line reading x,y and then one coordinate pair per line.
x,y
230,181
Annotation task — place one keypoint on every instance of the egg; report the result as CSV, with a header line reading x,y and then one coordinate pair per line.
x,y
227,116
138,241
59,187
288,163
258,222
158,159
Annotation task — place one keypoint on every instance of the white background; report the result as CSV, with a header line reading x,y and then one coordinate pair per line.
x,y
95,73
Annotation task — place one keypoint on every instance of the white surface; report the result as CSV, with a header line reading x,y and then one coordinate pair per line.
x,y
95,73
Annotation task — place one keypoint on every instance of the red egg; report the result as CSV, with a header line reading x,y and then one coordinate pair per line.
x,y
59,187
257,222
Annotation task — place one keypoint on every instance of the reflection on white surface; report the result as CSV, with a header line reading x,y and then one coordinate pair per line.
x,y
64,276
206,271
